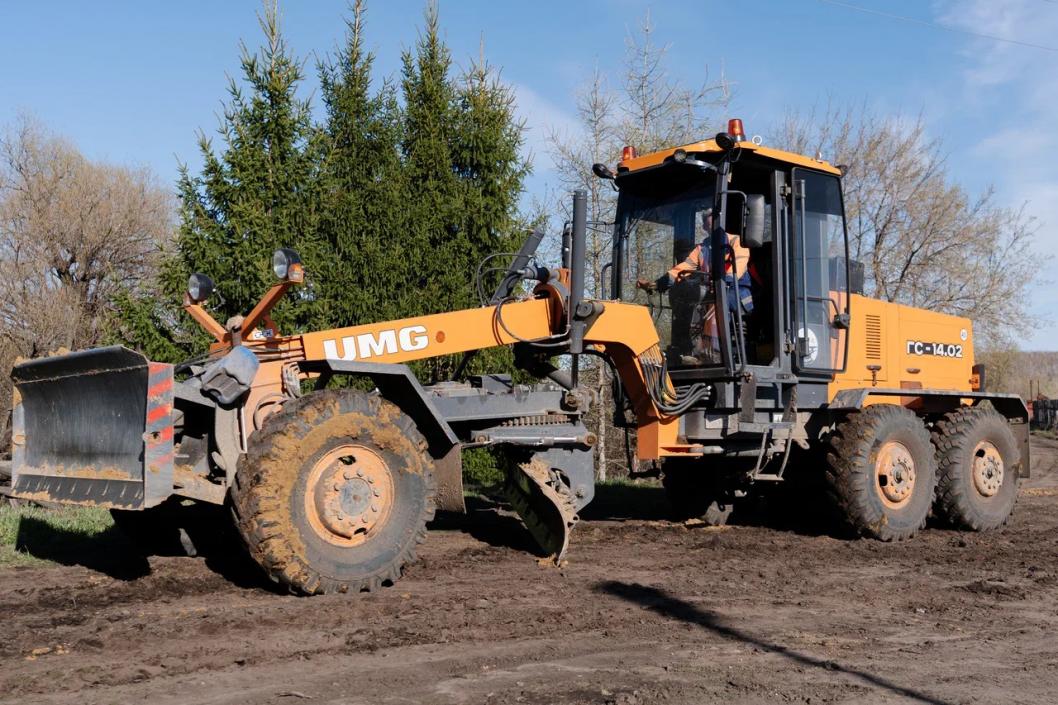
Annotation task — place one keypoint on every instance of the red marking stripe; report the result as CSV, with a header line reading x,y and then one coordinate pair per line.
x,y
158,413
160,388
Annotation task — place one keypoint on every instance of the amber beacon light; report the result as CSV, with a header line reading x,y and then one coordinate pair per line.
x,y
735,129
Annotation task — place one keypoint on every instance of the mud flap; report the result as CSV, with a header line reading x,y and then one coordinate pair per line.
x,y
545,505
93,428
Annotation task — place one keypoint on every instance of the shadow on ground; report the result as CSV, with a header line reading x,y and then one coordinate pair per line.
x,y
627,501
109,552
122,552
491,519
662,603
488,519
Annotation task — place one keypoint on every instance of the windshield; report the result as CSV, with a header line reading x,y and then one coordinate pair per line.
x,y
659,225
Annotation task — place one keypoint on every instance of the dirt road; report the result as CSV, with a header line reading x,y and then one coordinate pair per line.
x,y
644,612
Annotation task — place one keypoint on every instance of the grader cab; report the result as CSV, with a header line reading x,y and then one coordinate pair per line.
x,y
735,328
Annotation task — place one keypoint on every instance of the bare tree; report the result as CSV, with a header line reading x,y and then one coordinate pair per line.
x,y
647,109
597,114
1030,373
923,239
657,110
73,233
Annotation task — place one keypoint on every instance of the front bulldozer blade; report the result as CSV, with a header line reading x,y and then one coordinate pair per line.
x,y
544,503
93,428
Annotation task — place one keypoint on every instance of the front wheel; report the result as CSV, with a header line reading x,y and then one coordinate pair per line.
x,y
335,493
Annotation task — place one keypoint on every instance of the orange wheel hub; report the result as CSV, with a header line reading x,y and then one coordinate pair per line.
x,y
349,495
987,469
895,472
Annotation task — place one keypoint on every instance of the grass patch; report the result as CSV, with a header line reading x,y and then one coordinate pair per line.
x,y
37,536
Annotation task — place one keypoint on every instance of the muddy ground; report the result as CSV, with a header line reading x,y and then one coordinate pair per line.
x,y
644,612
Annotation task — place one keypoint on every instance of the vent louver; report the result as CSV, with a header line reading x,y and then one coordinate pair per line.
x,y
874,337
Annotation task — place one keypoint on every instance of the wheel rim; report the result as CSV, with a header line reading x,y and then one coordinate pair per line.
x,y
987,469
895,473
349,495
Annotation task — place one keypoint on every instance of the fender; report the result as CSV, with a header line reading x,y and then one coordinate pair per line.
x,y
397,384
939,401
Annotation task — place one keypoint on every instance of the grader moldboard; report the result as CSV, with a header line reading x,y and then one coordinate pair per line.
x,y
332,489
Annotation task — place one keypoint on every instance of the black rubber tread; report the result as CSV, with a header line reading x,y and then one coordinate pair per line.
x,y
696,492
269,484
850,478
957,502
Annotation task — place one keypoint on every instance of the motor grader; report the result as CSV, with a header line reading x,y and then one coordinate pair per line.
x,y
726,380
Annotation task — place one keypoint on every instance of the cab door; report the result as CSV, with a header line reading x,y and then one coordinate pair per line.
x,y
819,274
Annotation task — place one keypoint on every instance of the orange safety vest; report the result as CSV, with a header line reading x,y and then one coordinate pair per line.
x,y
695,262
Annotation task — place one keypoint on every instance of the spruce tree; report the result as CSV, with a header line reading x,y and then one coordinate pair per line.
x,y
258,193
487,159
391,203
433,239
363,214
463,175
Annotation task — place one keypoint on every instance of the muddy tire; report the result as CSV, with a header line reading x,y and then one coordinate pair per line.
x,y
881,472
978,464
334,493
693,494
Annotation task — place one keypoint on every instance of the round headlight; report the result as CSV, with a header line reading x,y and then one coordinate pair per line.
x,y
199,287
679,156
283,262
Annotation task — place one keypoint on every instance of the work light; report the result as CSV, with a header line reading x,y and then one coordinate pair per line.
x,y
286,263
199,287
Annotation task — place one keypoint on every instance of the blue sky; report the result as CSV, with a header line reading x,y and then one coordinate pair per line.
x,y
133,82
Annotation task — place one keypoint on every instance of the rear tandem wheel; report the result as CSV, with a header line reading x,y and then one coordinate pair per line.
x,y
881,472
978,463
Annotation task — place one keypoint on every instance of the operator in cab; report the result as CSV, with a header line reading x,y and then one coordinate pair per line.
x,y
694,328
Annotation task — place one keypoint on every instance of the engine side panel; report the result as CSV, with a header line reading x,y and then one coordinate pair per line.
x,y
896,346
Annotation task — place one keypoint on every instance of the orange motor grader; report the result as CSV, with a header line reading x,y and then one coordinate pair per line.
x,y
762,350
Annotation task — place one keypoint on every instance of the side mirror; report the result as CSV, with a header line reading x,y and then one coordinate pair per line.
x,y
753,232
602,171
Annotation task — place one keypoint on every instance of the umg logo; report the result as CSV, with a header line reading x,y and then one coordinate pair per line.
x,y
386,342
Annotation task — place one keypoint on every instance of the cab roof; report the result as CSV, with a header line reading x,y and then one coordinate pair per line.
x,y
657,158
